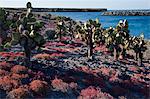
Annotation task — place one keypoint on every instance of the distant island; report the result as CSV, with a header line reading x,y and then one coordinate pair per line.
x,y
104,11
61,9
127,13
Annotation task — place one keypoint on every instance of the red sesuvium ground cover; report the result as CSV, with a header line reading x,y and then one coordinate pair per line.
x,y
59,85
38,75
11,56
12,80
39,87
57,55
110,74
134,68
91,77
101,48
42,56
103,77
59,44
94,93
19,69
7,83
85,69
3,73
6,66
114,76
19,93
19,76
62,50
45,56
66,38
54,43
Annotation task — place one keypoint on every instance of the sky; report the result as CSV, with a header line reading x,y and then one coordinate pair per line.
x,y
109,4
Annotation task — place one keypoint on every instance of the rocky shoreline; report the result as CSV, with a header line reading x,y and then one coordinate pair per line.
x,y
127,13
60,9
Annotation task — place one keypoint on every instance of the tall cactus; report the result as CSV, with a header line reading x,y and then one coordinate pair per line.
x,y
71,29
89,27
60,27
139,47
4,25
26,35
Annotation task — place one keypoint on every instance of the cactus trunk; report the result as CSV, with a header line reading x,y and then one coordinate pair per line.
x,y
140,57
27,55
136,56
115,54
60,34
90,45
90,51
122,53
72,35
27,51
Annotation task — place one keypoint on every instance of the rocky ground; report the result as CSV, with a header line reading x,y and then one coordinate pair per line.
x,y
127,13
62,70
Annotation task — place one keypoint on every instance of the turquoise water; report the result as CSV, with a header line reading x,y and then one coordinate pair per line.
x,y
137,24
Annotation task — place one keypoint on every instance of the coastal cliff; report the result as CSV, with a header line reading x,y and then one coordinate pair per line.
x,y
127,13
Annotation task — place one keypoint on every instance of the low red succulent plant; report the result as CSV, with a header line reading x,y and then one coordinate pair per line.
x,y
38,75
19,69
54,44
114,76
66,38
105,71
101,48
5,66
73,85
19,76
3,73
94,93
19,93
7,83
133,68
39,87
57,55
42,56
59,85
11,55
85,69
47,56
63,50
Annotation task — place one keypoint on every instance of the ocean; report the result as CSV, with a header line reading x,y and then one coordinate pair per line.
x,y
137,24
